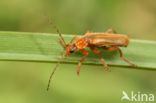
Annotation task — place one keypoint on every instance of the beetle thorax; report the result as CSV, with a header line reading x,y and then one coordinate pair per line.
x,y
81,43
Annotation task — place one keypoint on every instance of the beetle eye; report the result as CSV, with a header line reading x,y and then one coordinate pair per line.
x,y
71,51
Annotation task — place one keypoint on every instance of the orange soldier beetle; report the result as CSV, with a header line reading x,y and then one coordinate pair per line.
x,y
107,41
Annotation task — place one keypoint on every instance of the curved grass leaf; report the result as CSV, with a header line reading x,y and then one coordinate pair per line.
x,y
43,47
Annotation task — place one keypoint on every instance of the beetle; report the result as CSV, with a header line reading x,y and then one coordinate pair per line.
x,y
109,40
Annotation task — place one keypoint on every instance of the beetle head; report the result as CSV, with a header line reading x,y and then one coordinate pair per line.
x,y
71,48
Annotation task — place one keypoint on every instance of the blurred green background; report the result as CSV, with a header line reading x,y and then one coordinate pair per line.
x,y
25,82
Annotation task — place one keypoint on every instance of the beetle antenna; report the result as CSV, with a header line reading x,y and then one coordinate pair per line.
x,y
54,26
52,73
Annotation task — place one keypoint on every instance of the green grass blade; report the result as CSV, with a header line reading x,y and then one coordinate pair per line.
x,y
42,47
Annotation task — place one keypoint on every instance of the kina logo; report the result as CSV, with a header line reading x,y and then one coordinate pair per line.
x,y
138,96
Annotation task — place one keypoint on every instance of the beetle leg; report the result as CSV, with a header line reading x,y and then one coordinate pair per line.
x,y
80,63
75,38
88,33
121,55
111,31
110,48
101,58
